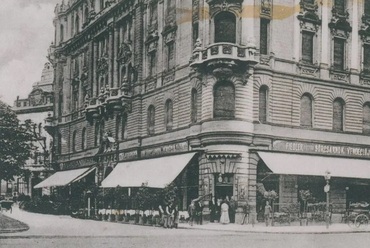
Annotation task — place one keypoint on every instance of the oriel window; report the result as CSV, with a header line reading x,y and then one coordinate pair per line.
x,y
225,27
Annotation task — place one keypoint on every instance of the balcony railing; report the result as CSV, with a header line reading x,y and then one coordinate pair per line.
x,y
223,51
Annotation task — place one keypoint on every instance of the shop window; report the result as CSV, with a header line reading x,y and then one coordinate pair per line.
x,y
307,47
338,114
194,105
366,58
306,110
225,27
124,127
339,45
83,139
366,118
262,108
224,100
169,115
264,35
74,141
151,120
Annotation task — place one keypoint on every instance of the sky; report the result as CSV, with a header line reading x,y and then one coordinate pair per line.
x,y
26,31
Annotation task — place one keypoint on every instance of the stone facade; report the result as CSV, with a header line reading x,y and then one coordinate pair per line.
x,y
117,60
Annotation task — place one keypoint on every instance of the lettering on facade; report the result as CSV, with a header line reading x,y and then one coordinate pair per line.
x,y
77,163
179,147
321,148
127,155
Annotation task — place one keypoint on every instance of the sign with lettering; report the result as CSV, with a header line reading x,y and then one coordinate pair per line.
x,y
165,149
77,163
127,155
305,147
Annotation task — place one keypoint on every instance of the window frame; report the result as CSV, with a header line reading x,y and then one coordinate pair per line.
x,y
263,115
342,126
303,46
217,102
266,23
151,120
311,114
194,105
168,114
218,18
342,66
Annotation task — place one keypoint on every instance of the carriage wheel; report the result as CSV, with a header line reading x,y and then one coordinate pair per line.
x,y
361,220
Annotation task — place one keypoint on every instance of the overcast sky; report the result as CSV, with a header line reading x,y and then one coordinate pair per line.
x,y
26,31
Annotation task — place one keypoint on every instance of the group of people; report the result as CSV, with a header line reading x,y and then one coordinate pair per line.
x,y
169,215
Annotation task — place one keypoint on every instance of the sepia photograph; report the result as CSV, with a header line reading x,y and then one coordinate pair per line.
x,y
185,123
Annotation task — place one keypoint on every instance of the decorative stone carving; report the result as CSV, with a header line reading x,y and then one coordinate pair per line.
x,y
308,16
266,8
339,24
216,6
103,64
124,53
365,28
195,10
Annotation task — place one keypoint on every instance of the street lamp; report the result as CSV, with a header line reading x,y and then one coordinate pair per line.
x,y
326,190
88,193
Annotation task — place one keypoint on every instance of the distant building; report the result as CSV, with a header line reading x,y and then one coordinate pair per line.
x,y
271,89
36,107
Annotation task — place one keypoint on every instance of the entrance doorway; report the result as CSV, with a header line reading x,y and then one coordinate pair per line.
x,y
224,185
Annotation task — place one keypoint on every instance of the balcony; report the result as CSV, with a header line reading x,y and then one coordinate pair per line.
x,y
109,101
224,55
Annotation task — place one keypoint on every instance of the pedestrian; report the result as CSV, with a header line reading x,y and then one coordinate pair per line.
x,y
167,220
191,212
224,213
161,215
176,216
199,212
170,211
246,210
268,211
232,209
213,209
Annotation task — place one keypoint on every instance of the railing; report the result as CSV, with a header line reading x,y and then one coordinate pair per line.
x,y
223,51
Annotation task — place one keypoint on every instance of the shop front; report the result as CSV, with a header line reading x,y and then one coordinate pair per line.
x,y
309,178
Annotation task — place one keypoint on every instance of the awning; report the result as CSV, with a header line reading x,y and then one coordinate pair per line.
x,y
154,173
295,164
62,178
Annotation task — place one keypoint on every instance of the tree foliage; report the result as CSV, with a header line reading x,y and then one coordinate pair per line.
x,y
15,143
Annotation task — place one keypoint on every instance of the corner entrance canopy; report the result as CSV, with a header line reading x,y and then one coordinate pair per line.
x,y
62,178
154,173
295,164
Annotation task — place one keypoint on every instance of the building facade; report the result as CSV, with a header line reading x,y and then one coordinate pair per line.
x,y
237,81
36,107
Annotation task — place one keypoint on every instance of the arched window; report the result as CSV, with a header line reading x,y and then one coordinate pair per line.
x,y
74,141
306,110
124,127
262,104
194,105
86,15
338,114
151,119
168,115
224,100
83,139
59,148
366,118
61,33
225,27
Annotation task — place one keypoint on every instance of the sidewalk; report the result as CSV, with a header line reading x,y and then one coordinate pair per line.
x,y
261,228
43,224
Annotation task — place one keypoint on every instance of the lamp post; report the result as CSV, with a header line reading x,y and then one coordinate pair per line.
x,y
326,190
88,193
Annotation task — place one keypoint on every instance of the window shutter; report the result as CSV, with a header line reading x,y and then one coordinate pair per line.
x,y
307,47
306,111
338,115
264,36
366,120
339,54
263,105
224,100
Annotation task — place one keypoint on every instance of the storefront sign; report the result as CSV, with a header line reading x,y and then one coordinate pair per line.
x,y
165,149
77,163
127,155
305,147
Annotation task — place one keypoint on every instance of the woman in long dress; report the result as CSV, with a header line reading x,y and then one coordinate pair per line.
x,y
224,213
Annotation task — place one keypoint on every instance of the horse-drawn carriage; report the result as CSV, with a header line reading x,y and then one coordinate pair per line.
x,y
6,205
357,214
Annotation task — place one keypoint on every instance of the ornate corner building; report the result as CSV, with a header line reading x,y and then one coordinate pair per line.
x,y
248,86
36,107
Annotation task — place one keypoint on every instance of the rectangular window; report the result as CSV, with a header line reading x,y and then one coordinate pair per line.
x,y
170,55
340,6
153,13
366,58
339,54
152,58
307,47
264,35
195,32
367,8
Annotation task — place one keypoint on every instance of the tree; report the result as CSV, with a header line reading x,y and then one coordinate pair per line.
x,y
15,143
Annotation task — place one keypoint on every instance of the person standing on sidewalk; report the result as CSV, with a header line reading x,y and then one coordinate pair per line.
x,y
161,215
191,212
246,214
268,211
224,213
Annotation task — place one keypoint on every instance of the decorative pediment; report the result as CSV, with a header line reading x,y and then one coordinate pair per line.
x,y
36,97
365,29
339,24
217,6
